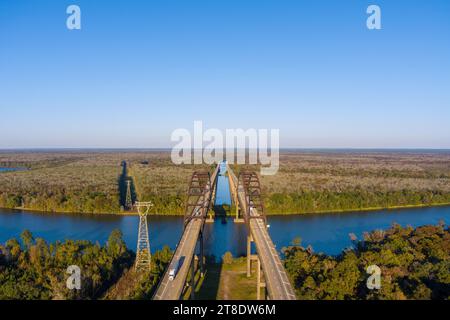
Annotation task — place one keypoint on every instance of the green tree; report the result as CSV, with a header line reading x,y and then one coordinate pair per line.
x,y
27,238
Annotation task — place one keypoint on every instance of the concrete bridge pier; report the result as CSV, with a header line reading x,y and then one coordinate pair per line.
x,y
210,218
193,278
233,188
237,219
260,284
238,210
197,263
250,257
259,275
202,265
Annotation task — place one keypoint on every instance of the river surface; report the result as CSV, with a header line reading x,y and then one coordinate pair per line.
x,y
7,169
223,195
328,233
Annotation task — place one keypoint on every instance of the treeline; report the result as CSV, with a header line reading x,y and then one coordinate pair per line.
x,y
310,201
84,201
321,201
32,269
167,204
414,264
307,201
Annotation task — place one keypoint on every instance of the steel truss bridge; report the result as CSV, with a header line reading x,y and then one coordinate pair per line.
x,y
200,194
246,192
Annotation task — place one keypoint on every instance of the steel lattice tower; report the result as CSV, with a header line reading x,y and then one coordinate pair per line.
x,y
143,255
128,201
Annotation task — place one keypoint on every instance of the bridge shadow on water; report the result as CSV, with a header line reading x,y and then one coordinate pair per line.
x,y
207,288
220,212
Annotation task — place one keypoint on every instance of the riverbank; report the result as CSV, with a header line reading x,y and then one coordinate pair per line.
x,y
365,209
232,211
31,210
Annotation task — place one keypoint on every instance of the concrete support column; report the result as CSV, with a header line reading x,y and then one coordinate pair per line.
x,y
193,278
202,266
249,255
210,218
258,279
260,284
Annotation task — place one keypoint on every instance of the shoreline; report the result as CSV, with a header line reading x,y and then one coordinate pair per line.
x,y
412,206
229,214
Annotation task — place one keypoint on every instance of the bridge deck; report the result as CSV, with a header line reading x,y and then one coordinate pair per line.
x,y
172,289
277,281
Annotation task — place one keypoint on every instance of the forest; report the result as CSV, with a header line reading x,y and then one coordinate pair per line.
x,y
61,182
315,182
32,269
307,182
414,263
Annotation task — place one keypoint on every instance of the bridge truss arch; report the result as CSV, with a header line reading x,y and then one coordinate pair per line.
x,y
248,181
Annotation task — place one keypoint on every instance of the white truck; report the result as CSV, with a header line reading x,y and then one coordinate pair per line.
x,y
174,270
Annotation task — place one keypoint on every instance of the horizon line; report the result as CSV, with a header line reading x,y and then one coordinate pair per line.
x,y
170,148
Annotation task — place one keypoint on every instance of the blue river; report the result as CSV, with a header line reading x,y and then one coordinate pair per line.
x,y
327,233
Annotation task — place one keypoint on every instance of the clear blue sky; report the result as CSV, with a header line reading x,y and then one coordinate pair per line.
x,y
137,70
